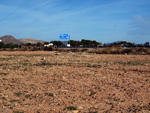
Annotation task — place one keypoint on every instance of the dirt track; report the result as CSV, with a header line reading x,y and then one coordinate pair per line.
x,y
49,82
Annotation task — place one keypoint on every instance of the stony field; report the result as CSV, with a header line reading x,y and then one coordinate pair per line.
x,y
52,82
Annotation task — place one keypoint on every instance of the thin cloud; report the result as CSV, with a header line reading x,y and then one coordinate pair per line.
x,y
140,25
79,18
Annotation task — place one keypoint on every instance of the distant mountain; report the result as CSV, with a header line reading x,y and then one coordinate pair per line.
x,y
9,39
113,42
30,40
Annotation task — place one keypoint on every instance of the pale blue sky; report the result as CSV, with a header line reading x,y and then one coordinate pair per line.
x,y
101,20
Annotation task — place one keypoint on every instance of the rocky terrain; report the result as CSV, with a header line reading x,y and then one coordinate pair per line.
x,y
30,40
10,39
52,82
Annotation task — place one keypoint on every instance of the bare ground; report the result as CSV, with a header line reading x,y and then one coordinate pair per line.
x,y
50,82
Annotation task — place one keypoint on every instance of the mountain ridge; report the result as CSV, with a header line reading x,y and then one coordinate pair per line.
x,y
11,39
30,40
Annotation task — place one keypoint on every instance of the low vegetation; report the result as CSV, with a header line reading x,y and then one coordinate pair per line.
x,y
89,46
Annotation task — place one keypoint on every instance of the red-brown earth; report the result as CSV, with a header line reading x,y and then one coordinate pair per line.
x,y
51,82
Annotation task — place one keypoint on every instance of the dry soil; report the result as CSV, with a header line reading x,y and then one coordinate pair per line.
x,y
52,82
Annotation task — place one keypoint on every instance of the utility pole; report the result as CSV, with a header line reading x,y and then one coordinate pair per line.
x,y
68,45
69,39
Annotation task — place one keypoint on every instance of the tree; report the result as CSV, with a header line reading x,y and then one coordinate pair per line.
x,y
74,43
89,43
10,45
46,43
39,44
1,45
28,44
58,43
123,42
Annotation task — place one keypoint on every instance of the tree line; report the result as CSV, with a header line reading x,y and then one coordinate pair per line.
x,y
73,43
10,45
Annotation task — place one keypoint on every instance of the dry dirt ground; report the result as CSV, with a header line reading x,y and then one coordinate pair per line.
x,y
51,82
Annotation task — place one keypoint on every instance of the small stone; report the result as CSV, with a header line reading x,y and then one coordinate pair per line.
x,y
75,111
5,111
64,90
79,107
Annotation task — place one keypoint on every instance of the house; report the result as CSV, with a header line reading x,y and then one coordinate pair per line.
x,y
68,45
49,45
124,45
100,46
147,44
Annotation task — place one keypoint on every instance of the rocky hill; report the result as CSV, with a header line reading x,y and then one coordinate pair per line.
x,y
30,40
9,39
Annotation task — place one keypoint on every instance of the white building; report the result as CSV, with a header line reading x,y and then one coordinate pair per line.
x,y
68,45
49,45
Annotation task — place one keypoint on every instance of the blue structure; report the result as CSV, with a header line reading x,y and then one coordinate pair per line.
x,y
63,36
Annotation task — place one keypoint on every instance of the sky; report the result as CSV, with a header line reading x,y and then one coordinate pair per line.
x,y
102,20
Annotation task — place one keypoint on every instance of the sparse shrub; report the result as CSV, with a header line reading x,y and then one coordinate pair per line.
x,y
110,98
18,111
4,79
3,73
18,94
83,50
127,51
14,100
74,50
49,94
116,85
27,95
70,108
92,93
34,48
23,48
119,50
48,49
